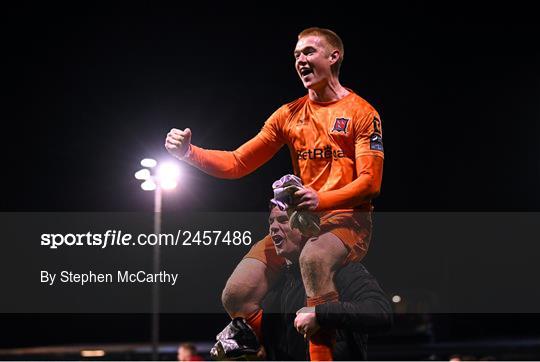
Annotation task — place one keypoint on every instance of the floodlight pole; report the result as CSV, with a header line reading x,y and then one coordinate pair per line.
x,y
156,264
157,182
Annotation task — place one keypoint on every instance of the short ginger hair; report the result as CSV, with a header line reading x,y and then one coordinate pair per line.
x,y
331,38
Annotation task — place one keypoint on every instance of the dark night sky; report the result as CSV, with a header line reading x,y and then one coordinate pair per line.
x,y
88,92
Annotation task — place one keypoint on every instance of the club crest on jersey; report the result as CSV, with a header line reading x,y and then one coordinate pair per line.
x,y
340,125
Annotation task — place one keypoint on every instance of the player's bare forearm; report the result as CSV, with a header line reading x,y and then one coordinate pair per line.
x,y
364,188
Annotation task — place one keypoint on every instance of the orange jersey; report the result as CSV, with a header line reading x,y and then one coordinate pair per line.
x,y
325,141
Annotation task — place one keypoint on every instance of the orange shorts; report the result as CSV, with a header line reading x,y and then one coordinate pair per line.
x,y
353,231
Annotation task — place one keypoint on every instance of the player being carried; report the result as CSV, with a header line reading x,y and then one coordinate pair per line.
x,y
335,141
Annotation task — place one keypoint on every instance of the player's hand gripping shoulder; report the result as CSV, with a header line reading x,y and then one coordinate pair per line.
x,y
178,142
306,199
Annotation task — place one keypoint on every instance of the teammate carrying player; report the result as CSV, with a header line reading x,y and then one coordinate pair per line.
x,y
335,140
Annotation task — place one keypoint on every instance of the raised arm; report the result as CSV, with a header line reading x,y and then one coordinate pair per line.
x,y
228,164
232,164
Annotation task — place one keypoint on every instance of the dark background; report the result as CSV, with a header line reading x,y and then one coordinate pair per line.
x,y
90,91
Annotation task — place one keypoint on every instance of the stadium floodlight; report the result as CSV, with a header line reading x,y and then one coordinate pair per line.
x,y
143,174
168,184
148,162
167,175
163,177
148,185
168,170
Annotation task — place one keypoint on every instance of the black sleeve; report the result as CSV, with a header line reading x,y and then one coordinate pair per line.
x,y
363,305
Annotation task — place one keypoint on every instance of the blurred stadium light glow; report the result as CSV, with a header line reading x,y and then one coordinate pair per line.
x,y
167,175
148,185
92,353
148,162
143,174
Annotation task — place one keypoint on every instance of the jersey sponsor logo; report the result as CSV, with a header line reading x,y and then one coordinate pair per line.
x,y
375,140
320,153
340,125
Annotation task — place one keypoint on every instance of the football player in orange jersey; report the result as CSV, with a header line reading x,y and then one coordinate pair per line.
x,y
335,140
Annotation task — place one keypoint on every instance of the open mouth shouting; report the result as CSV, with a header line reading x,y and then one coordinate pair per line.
x,y
278,240
305,71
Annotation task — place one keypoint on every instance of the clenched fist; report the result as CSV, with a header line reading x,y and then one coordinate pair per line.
x,y
178,142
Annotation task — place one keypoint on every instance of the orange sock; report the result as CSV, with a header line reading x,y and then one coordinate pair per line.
x,y
322,342
254,320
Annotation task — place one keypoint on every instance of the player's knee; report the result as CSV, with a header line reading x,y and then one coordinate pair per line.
x,y
238,300
232,298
